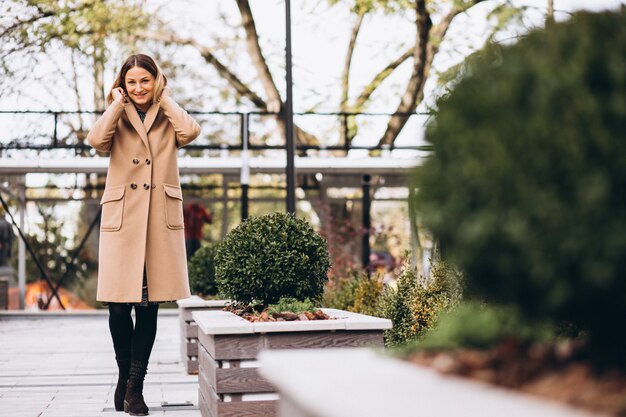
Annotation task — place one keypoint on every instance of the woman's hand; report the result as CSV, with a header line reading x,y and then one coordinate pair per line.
x,y
118,94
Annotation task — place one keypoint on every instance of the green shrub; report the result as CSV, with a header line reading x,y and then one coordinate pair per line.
x,y
526,187
340,294
269,257
474,325
357,293
367,295
202,271
397,304
414,305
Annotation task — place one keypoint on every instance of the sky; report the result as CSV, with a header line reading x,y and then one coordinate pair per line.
x,y
320,36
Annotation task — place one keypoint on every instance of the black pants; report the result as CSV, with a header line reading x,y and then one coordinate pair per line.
x,y
133,343
191,246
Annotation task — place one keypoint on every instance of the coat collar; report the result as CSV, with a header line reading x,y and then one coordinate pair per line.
x,y
142,128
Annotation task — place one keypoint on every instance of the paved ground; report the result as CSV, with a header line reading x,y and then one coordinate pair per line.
x,y
62,365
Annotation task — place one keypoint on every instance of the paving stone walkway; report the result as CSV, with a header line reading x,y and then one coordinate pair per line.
x,y
62,365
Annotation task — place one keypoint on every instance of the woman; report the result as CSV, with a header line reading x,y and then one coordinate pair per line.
x,y
142,259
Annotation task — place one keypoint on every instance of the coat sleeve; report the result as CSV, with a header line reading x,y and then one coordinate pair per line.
x,y
100,136
186,128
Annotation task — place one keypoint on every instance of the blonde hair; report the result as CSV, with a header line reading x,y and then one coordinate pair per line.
x,y
147,63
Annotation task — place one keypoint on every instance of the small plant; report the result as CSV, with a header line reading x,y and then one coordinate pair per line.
x,y
414,305
396,305
291,305
367,295
357,293
341,292
270,257
202,271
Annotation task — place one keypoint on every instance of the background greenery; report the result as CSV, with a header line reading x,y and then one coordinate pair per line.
x,y
201,268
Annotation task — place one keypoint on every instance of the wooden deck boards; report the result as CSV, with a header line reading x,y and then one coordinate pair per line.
x,y
63,365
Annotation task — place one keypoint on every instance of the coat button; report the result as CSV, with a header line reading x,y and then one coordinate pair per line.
x,y
148,162
133,186
135,161
146,186
153,186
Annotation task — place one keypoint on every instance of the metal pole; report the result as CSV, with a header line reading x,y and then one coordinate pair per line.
x,y
288,113
224,206
245,167
21,247
56,123
367,221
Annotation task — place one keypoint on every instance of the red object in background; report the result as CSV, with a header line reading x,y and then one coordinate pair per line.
x,y
195,216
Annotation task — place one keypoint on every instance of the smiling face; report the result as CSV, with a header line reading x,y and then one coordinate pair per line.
x,y
139,85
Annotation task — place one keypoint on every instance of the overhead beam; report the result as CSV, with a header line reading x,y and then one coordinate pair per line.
x,y
228,165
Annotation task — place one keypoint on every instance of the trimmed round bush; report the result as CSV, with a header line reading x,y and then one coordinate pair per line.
x,y
201,267
269,257
526,187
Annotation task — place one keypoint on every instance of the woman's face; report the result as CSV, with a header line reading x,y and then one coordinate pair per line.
x,y
139,86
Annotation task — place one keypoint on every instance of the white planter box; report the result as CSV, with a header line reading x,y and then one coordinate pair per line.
x,y
189,329
362,383
230,384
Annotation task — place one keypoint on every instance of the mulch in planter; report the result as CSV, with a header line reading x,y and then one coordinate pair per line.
x,y
555,372
249,313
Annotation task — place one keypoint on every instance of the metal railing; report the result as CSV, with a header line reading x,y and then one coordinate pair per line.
x,y
344,142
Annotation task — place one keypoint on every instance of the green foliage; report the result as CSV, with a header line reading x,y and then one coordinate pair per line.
x,y
397,305
414,305
367,6
525,188
76,24
202,271
357,293
475,325
342,293
269,257
367,295
291,305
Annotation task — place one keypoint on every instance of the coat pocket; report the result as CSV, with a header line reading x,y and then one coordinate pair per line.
x,y
173,207
112,203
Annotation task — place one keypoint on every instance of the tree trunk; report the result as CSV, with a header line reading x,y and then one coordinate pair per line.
x,y
415,86
98,72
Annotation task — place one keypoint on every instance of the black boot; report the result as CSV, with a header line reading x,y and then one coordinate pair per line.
x,y
122,379
133,401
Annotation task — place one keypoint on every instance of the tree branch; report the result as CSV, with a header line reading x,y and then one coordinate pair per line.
x,y
252,41
20,23
348,127
45,13
369,89
345,76
239,86
408,102
438,34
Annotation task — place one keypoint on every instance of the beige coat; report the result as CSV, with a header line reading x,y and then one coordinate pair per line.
x,y
142,203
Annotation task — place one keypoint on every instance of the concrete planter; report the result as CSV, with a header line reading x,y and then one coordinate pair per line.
x,y
189,329
361,383
229,378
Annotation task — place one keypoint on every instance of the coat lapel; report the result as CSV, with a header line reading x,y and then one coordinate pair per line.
x,y
134,119
151,116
